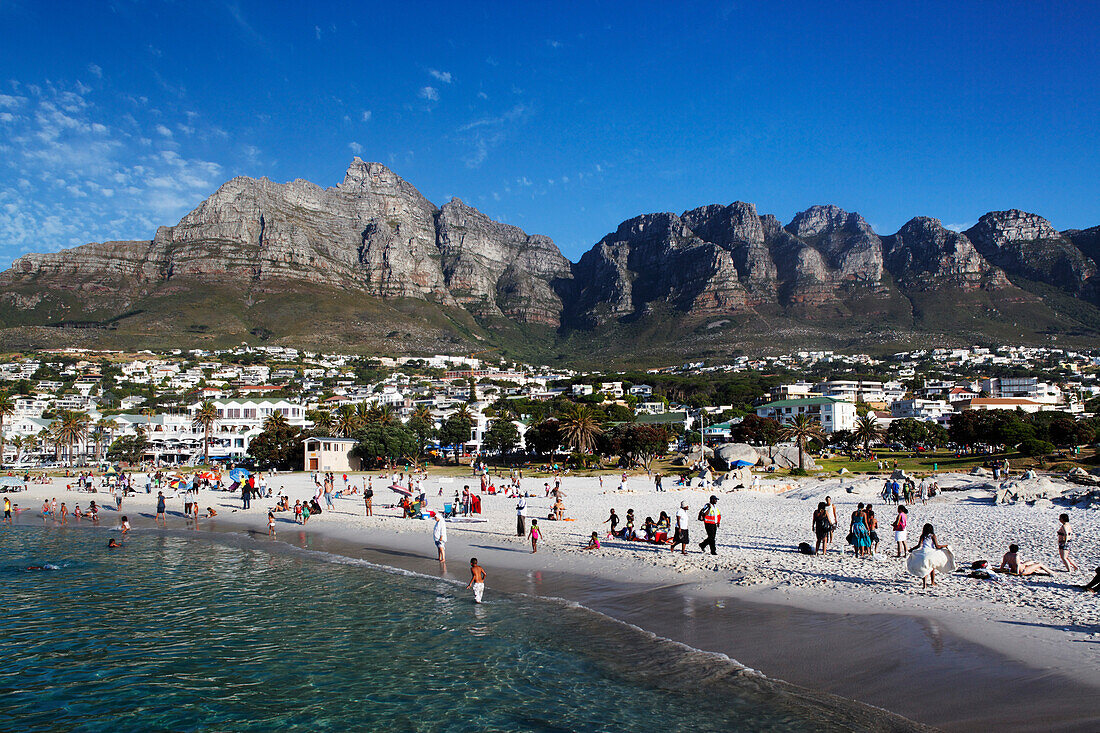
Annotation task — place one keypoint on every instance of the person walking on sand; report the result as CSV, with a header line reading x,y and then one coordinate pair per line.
x,y
830,512
1065,539
368,501
680,536
712,520
521,517
900,523
536,535
246,494
477,579
439,534
614,521
161,516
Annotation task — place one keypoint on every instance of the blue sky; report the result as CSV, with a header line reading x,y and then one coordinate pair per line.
x,y
561,118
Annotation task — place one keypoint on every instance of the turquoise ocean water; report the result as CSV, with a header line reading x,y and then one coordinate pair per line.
x,y
174,633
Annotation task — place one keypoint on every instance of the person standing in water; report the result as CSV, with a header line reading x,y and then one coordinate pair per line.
x,y
477,579
439,534
7,510
161,516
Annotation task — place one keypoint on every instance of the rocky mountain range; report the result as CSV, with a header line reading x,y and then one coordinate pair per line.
x,y
372,263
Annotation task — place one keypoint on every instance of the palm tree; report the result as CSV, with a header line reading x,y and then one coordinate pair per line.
x,y
275,421
70,428
45,437
7,408
23,444
346,421
802,429
104,431
867,430
322,421
205,417
385,415
580,427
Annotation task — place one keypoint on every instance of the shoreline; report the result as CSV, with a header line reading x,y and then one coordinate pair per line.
x,y
939,669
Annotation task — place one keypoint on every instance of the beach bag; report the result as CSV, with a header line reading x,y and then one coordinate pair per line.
x,y
805,549
703,513
851,538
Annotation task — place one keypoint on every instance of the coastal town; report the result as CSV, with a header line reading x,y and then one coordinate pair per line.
x,y
77,406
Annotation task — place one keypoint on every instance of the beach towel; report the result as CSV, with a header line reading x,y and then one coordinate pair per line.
x,y
923,561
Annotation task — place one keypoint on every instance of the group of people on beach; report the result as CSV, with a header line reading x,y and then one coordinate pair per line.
x,y
927,555
658,531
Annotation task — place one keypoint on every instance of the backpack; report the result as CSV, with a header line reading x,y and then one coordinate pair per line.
x,y
805,549
369,493
703,513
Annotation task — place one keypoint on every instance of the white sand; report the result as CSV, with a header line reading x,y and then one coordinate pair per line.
x,y
1043,621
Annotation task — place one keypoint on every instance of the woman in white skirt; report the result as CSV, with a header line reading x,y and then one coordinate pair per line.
x,y
930,556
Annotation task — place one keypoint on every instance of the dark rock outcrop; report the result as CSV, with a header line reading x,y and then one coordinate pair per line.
x,y
1027,245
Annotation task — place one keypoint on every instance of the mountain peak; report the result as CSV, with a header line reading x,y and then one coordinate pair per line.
x,y
366,175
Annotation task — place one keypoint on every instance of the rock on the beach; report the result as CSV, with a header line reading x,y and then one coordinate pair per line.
x,y
787,457
1029,490
983,472
730,453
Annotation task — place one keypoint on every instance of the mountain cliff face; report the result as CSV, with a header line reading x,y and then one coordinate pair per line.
x,y
1027,245
372,247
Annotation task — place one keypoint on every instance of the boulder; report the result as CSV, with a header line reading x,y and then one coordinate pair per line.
x,y
983,472
728,454
787,457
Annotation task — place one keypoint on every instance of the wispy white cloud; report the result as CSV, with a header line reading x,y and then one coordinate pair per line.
x,y
355,147
958,227
73,173
552,43
429,93
366,115
443,76
317,31
486,133
95,70
163,130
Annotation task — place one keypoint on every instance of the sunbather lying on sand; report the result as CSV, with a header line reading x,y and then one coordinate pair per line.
x,y
1016,566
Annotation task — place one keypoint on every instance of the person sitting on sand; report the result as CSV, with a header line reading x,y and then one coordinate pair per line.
x,y
1093,585
1012,562
664,523
594,542
649,529
210,512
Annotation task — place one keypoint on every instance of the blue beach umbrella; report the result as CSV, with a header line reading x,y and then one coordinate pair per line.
x,y
739,463
238,475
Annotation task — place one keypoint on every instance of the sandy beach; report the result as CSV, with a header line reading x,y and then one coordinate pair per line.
x,y
1024,647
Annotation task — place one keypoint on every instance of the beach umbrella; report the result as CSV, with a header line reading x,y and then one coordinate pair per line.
x,y
739,463
401,490
11,481
111,471
238,475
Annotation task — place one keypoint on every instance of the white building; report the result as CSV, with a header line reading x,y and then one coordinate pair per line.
x,y
833,414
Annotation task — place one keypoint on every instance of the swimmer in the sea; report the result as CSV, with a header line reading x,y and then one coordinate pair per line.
x,y
111,543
